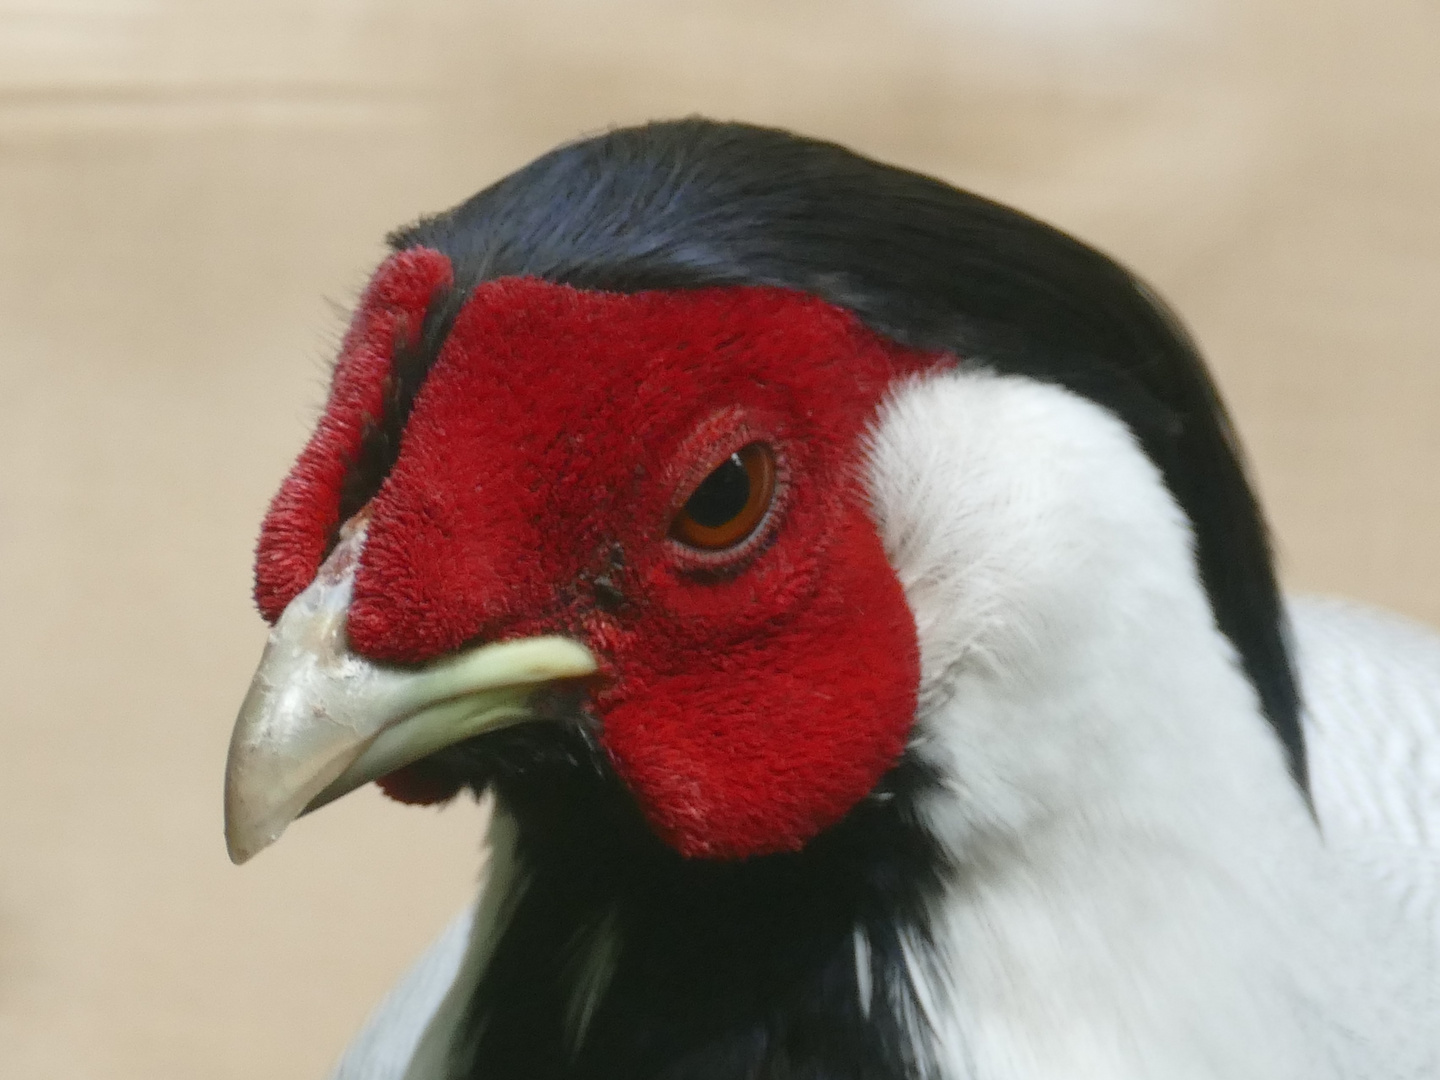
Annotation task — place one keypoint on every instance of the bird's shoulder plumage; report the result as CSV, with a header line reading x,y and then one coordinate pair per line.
x,y
1372,728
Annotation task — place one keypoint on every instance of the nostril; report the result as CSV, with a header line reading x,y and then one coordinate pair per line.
x,y
608,596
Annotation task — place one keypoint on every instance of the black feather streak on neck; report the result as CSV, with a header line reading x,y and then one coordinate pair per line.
x,y
721,970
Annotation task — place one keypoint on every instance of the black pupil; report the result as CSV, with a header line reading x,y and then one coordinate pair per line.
x,y
722,496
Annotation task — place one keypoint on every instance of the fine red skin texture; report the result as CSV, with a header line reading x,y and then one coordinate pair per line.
x,y
302,515
753,697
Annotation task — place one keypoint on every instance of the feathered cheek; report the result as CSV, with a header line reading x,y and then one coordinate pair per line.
x,y
759,747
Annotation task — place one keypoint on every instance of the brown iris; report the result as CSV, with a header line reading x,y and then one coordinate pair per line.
x,y
730,503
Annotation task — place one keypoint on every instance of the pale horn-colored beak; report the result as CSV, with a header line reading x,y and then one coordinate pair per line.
x,y
319,721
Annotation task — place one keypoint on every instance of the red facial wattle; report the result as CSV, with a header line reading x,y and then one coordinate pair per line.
x,y
304,514
545,459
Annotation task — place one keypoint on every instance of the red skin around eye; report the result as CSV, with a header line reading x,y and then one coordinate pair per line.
x,y
755,698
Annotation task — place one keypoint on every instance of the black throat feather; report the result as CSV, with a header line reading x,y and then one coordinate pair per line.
x,y
772,968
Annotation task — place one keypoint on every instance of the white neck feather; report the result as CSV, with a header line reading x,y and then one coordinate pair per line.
x,y
1140,891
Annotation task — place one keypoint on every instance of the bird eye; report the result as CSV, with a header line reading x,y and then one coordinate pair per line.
x,y
730,503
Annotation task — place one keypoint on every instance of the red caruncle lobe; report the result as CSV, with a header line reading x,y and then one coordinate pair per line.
x,y
548,452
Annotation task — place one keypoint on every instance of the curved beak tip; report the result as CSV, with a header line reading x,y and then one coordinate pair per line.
x,y
242,847
255,806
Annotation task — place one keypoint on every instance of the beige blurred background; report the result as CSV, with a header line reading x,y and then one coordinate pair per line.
x,y
187,189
